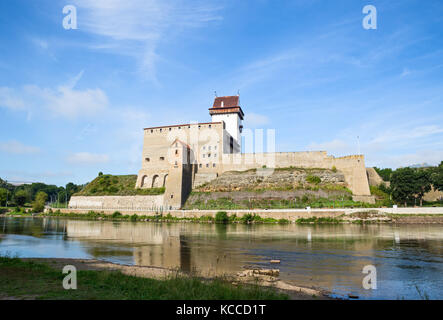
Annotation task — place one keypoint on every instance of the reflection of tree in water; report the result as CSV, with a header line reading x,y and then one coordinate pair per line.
x,y
36,227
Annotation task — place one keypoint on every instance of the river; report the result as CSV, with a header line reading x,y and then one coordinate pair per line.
x,y
408,258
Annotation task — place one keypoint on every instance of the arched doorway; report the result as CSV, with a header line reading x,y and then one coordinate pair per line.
x,y
144,182
156,181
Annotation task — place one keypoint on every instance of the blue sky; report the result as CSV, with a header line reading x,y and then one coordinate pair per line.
x,y
74,102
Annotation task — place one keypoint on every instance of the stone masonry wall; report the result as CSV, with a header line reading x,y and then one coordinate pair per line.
x,y
117,202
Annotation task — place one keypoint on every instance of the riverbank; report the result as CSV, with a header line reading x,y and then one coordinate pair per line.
x,y
318,216
35,278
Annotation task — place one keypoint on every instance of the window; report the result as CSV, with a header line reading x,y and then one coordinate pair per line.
x,y
215,155
215,147
200,165
170,129
213,165
160,130
203,155
162,158
172,196
152,131
209,148
204,148
176,152
147,159
175,162
207,165
209,126
209,155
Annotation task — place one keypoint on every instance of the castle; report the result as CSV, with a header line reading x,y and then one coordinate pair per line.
x,y
181,157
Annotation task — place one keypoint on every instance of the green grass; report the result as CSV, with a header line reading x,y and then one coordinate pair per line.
x,y
30,279
110,185
198,201
316,220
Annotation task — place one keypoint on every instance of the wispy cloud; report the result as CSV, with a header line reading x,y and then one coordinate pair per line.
x,y
136,28
64,100
255,120
16,147
9,99
87,158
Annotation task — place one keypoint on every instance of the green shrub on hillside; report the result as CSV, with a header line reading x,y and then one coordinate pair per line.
x,y
313,179
109,185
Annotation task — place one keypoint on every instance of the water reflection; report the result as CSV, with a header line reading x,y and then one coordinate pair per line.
x,y
407,257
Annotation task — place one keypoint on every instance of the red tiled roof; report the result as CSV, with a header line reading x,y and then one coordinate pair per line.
x,y
228,102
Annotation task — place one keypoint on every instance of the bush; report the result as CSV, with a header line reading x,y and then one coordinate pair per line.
x,y
133,217
313,179
334,169
247,218
283,221
38,206
39,203
116,214
221,217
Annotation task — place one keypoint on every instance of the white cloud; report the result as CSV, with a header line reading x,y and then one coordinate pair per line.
x,y
256,120
64,100
9,99
87,158
335,147
136,28
16,147
432,157
405,135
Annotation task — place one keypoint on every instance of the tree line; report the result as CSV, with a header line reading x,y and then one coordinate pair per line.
x,y
409,185
35,194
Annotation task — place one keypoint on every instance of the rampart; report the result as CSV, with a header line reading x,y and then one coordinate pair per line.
x,y
137,203
353,167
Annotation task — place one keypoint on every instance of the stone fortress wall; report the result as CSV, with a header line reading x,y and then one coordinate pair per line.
x,y
208,149
136,203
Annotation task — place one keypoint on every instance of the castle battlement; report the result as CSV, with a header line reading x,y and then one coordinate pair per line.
x,y
179,157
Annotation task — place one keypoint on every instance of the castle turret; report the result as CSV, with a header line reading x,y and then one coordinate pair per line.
x,y
228,109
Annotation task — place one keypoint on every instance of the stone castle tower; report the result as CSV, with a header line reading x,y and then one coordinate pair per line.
x,y
180,157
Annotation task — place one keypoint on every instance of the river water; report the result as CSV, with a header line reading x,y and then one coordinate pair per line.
x,y
408,258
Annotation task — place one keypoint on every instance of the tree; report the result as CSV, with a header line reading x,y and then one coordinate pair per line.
x,y
39,202
437,177
385,174
403,187
72,188
3,196
422,183
20,197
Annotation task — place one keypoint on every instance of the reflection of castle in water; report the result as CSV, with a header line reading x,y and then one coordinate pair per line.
x,y
212,250
158,245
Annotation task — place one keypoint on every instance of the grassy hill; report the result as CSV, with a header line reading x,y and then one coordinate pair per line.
x,y
110,185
